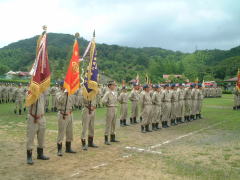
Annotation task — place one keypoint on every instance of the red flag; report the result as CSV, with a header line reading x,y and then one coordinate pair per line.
x,y
72,80
40,72
238,81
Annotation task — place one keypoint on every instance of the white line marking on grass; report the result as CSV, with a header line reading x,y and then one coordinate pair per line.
x,y
100,165
183,136
142,150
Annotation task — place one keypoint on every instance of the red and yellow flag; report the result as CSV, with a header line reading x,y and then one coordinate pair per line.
x,y
72,80
40,72
238,80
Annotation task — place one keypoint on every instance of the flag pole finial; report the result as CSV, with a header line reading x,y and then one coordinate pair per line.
x,y
77,35
44,27
94,34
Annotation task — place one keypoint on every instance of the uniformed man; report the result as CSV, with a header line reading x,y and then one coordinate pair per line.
x,y
53,92
146,104
188,105
236,95
110,100
200,97
88,118
181,103
174,104
36,124
19,94
47,95
194,98
123,100
65,103
134,98
4,93
157,108
1,94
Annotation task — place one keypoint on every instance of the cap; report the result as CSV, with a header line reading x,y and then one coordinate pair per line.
x,y
111,83
145,86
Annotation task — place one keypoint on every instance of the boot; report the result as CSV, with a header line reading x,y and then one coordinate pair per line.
x,y
157,126
154,127
106,140
142,129
113,138
234,108
55,109
15,111
135,120
131,121
68,148
84,146
20,111
29,157
167,125
140,118
40,154
59,148
24,109
125,122
163,124
121,122
147,128
90,142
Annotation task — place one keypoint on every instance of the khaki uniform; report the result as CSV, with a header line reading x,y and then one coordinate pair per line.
x,y
157,99
181,104
167,106
236,95
4,94
188,100
1,94
36,123
65,118
174,105
146,104
53,92
110,100
123,100
88,118
134,98
200,97
19,94
194,98
47,95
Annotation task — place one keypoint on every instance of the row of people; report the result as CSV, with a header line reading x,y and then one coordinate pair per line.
x,y
212,92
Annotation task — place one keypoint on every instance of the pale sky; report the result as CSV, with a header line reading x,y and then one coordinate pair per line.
x,y
170,24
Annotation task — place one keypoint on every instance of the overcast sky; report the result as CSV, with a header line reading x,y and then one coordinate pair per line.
x,y
170,24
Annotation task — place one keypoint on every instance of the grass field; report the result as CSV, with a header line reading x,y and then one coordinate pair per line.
x,y
203,149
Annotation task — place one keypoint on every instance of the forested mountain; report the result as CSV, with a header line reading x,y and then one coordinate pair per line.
x,y
121,63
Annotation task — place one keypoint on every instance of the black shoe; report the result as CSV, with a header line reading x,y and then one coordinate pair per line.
x,y
20,111
24,109
46,110
154,128
59,148
131,120
135,120
68,148
234,108
84,146
113,138
125,122
29,157
140,118
106,140
15,111
40,154
147,128
142,129
55,109
90,142
121,122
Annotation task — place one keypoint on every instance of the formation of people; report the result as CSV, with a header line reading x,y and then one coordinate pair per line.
x,y
212,92
153,106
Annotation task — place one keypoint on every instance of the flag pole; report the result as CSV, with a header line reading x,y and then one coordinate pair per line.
x,y
90,102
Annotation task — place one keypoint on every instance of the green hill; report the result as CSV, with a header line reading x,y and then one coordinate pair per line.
x,y
121,63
